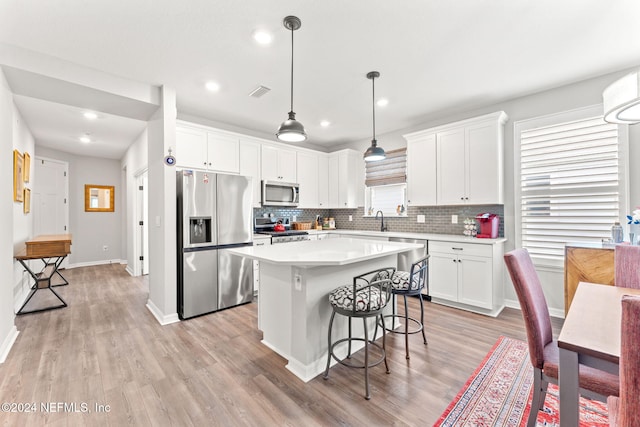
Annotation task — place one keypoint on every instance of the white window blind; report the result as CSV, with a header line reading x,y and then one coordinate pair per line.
x,y
570,189
390,170
387,198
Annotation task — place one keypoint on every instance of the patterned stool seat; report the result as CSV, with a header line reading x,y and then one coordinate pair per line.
x,y
401,281
366,299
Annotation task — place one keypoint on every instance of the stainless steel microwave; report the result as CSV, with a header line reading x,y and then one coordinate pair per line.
x,y
276,193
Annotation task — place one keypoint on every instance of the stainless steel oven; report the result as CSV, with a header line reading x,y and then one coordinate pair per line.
x,y
286,235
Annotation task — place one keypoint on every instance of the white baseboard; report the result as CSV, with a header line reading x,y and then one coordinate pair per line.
x,y
92,263
128,270
7,343
163,319
553,312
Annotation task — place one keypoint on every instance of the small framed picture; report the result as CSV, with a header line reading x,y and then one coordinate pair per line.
x,y
26,167
27,201
18,176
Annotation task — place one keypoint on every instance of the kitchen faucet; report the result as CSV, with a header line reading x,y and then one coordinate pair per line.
x,y
382,227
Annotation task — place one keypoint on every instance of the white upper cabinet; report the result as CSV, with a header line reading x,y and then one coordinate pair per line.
x,y
470,166
200,148
323,181
307,164
278,164
421,169
346,179
250,166
223,152
191,147
451,166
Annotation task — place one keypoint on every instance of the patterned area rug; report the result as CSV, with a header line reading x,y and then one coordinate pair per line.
x,y
498,393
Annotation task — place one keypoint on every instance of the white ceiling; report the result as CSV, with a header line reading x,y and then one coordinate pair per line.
x,y
434,57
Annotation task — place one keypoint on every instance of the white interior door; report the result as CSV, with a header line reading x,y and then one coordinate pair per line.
x,y
49,202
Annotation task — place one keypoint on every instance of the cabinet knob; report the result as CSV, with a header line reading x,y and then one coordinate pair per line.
x,y
205,163
466,198
461,198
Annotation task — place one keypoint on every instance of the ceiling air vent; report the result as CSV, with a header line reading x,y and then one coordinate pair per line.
x,y
259,91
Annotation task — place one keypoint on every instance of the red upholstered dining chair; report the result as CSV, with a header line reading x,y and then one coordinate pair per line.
x,y
543,350
627,266
625,411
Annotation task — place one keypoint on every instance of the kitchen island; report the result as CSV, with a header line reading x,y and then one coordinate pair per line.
x,y
295,281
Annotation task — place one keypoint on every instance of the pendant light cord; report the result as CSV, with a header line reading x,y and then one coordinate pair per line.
x,y
373,103
291,69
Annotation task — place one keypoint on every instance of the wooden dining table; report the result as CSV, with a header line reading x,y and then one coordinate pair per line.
x,y
590,336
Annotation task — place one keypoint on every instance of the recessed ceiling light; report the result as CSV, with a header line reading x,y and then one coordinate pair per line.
x,y
262,37
325,123
382,102
85,139
90,115
212,86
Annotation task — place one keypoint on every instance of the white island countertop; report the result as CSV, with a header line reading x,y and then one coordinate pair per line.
x,y
312,253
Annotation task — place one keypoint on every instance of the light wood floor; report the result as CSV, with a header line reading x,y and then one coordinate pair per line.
x,y
107,349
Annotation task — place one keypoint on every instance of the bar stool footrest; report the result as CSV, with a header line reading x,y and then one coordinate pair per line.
x,y
373,363
419,325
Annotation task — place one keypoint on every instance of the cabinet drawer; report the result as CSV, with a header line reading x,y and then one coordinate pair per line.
x,y
455,248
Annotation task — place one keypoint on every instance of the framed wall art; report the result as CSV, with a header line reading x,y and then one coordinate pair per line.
x,y
27,201
26,167
18,176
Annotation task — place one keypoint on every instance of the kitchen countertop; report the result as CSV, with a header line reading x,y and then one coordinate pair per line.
x,y
327,252
420,236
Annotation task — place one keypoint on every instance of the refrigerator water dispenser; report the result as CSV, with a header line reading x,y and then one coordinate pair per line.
x,y
200,230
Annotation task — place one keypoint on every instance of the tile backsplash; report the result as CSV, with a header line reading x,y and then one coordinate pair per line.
x,y
437,218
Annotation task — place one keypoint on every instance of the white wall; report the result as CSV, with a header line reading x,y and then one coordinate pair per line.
x,y
8,331
22,223
91,230
572,96
133,163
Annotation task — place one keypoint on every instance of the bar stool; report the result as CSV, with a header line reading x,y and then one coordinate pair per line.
x,y
409,283
365,298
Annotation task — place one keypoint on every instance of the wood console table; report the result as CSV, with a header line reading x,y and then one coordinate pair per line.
x,y
51,250
585,262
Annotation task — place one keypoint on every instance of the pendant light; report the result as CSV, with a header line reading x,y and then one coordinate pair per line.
x,y
621,100
291,130
374,152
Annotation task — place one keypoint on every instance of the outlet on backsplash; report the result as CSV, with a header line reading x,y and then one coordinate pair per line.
x,y
454,219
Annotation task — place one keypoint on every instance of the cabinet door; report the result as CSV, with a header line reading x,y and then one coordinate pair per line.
x,y
475,281
443,276
421,171
278,164
269,163
334,186
191,148
223,152
323,181
484,164
451,168
307,164
250,166
287,165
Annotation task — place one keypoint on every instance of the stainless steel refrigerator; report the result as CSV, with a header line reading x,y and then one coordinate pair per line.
x,y
214,213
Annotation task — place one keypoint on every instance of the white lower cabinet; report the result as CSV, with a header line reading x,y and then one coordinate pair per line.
x,y
467,275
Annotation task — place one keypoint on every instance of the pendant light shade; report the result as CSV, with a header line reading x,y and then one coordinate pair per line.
x,y
291,130
374,152
621,100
